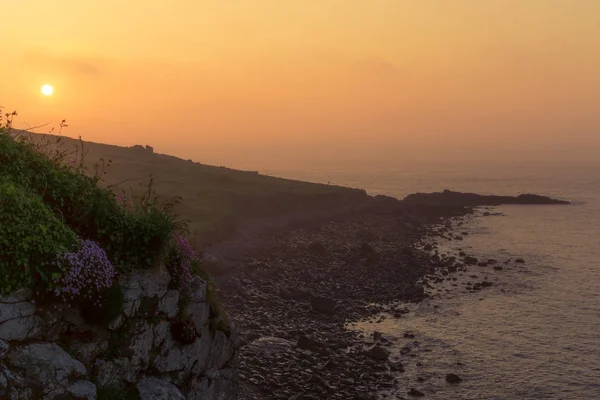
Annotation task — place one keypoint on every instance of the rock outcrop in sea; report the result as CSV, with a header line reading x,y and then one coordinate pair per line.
x,y
450,198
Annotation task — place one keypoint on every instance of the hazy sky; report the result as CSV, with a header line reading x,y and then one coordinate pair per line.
x,y
256,83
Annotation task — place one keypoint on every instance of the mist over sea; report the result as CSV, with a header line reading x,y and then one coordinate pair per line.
x,y
536,333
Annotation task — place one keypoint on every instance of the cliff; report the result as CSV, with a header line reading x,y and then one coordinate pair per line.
x,y
101,295
50,352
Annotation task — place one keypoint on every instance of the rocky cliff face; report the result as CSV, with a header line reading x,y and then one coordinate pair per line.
x,y
48,352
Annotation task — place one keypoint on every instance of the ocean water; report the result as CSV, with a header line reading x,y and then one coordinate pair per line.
x,y
536,333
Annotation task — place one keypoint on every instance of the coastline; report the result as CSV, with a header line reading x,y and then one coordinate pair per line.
x,y
295,289
363,262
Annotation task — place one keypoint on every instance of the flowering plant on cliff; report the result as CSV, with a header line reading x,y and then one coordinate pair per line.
x,y
83,275
180,261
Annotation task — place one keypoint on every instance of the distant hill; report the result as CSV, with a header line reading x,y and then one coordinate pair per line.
x,y
213,198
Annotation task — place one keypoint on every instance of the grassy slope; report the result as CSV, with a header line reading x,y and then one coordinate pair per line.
x,y
213,197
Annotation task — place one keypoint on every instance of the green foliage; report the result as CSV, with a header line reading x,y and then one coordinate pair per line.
x,y
132,236
30,235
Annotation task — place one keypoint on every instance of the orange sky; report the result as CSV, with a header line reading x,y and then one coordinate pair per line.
x,y
255,83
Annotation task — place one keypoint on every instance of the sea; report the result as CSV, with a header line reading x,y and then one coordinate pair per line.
x,y
535,334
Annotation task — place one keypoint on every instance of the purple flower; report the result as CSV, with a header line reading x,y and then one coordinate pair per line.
x,y
120,199
180,261
84,273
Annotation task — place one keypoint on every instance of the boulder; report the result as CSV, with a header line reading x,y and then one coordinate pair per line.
x,y
21,329
379,353
147,283
15,310
269,347
221,351
82,390
198,313
520,261
175,357
151,388
323,305
87,351
46,363
17,296
453,378
141,343
168,305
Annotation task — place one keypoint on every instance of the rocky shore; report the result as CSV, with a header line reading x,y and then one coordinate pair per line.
x,y
293,292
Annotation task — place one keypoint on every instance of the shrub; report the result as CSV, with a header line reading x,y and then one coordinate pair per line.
x,y
133,236
180,261
83,275
30,235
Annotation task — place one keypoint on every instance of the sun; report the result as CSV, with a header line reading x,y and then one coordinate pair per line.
x,y
47,90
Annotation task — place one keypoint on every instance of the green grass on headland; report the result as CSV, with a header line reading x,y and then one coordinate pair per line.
x,y
49,202
212,198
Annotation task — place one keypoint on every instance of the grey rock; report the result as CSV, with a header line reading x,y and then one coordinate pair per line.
x,y
379,353
148,283
16,310
168,305
453,378
199,313
116,323
141,343
22,329
45,363
82,390
88,351
18,393
207,388
17,296
3,385
105,373
115,371
221,351
269,346
197,290
151,388
4,347
131,307
183,357
161,333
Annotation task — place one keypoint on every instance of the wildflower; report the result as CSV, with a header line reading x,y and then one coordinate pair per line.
x,y
180,261
120,199
83,274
